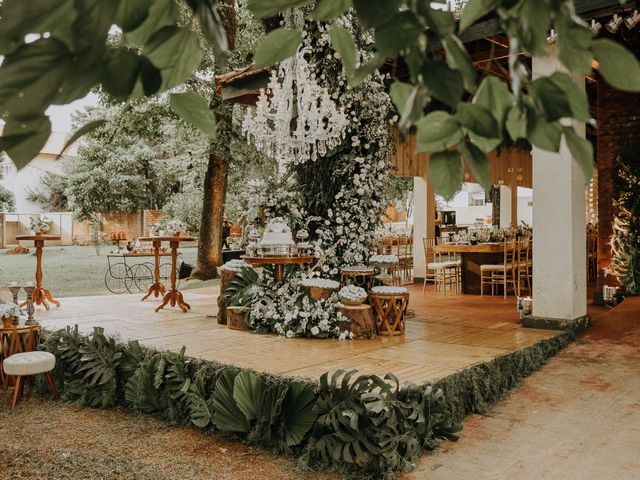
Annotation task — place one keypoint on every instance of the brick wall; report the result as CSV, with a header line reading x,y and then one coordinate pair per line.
x,y
151,217
129,223
618,116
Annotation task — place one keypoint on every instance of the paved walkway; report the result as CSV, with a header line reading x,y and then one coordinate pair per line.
x,y
577,418
449,333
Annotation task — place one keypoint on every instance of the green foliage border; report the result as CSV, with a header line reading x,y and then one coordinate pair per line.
x,y
472,390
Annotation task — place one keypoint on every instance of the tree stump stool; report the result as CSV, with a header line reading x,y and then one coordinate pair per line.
x,y
319,293
389,310
362,325
226,275
236,318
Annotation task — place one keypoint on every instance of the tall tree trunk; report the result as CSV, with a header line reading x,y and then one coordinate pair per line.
x,y
215,180
210,239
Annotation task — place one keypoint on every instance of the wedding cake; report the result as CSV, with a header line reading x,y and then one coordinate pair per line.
x,y
277,233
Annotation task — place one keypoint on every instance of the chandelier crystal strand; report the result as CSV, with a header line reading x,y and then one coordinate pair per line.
x,y
319,125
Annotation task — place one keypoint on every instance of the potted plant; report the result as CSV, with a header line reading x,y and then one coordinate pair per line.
x,y
175,227
352,295
39,225
9,313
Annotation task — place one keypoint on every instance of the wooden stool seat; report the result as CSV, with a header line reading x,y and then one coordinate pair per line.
x,y
389,310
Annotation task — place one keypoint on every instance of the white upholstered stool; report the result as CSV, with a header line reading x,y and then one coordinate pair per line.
x,y
27,364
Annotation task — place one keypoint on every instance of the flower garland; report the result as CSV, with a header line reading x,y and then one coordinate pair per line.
x,y
361,166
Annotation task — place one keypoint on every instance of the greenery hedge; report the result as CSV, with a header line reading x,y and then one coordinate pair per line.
x,y
358,423
361,423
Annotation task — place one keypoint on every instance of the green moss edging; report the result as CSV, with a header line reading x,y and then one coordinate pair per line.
x,y
475,389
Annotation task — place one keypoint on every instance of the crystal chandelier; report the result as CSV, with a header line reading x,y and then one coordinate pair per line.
x,y
295,119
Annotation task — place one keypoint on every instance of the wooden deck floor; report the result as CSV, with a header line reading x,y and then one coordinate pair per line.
x,y
448,334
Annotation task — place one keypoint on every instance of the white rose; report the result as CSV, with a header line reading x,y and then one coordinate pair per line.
x,y
290,334
315,331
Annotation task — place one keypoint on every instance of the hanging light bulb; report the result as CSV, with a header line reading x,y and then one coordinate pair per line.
x,y
614,24
595,26
552,37
632,20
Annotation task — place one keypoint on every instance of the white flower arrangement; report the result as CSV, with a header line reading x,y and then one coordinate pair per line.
x,y
235,265
388,290
175,226
383,259
40,224
352,293
155,229
320,283
9,310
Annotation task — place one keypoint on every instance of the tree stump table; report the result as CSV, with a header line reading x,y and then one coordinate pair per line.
x,y
237,318
389,310
362,325
226,274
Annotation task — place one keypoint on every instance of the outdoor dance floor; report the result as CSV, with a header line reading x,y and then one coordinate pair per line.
x,y
448,334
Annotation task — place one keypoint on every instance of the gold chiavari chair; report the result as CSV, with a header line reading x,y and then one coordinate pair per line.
x,y
500,274
523,264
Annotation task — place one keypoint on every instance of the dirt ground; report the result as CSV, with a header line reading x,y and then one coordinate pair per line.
x,y
50,440
577,418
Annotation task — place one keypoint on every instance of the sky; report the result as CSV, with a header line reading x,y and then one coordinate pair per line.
x,y
60,115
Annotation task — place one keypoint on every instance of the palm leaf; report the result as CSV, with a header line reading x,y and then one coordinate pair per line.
x,y
298,415
248,392
226,414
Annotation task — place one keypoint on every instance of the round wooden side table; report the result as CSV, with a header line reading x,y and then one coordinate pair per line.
x,y
40,295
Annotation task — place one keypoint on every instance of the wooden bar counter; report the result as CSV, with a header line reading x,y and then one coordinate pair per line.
x,y
473,256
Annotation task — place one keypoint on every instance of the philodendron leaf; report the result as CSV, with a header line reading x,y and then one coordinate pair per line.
x,y
80,132
194,109
326,10
478,163
436,132
477,119
445,172
270,8
277,46
543,134
516,123
581,150
443,82
22,140
343,43
618,66
131,13
297,412
175,52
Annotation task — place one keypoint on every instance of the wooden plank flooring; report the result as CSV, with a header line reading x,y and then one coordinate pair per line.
x,y
447,334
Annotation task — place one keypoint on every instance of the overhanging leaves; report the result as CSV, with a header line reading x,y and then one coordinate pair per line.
x,y
459,59
478,163
477,119
175,52
22,140
473,11
326,10
437,131
194,109
131,13
445,173
581,150
82,131
618,66
269,8
277,46
373,13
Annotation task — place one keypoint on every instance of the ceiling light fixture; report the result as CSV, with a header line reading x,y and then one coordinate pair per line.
x,y
632,20
595,26
614,24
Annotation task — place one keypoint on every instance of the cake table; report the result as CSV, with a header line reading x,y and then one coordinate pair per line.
x,y
278,263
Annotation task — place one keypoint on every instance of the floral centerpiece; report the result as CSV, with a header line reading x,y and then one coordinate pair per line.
x,y
156,229
352,295
40,225
175,227
9,312
325,283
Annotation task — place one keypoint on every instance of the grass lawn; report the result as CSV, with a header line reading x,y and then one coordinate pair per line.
x,y
73,271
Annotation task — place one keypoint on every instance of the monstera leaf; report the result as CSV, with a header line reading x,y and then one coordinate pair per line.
x,y
297,412
239,291
226,414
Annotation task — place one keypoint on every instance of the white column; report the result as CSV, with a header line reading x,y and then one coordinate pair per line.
x,y
424,207
559,230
